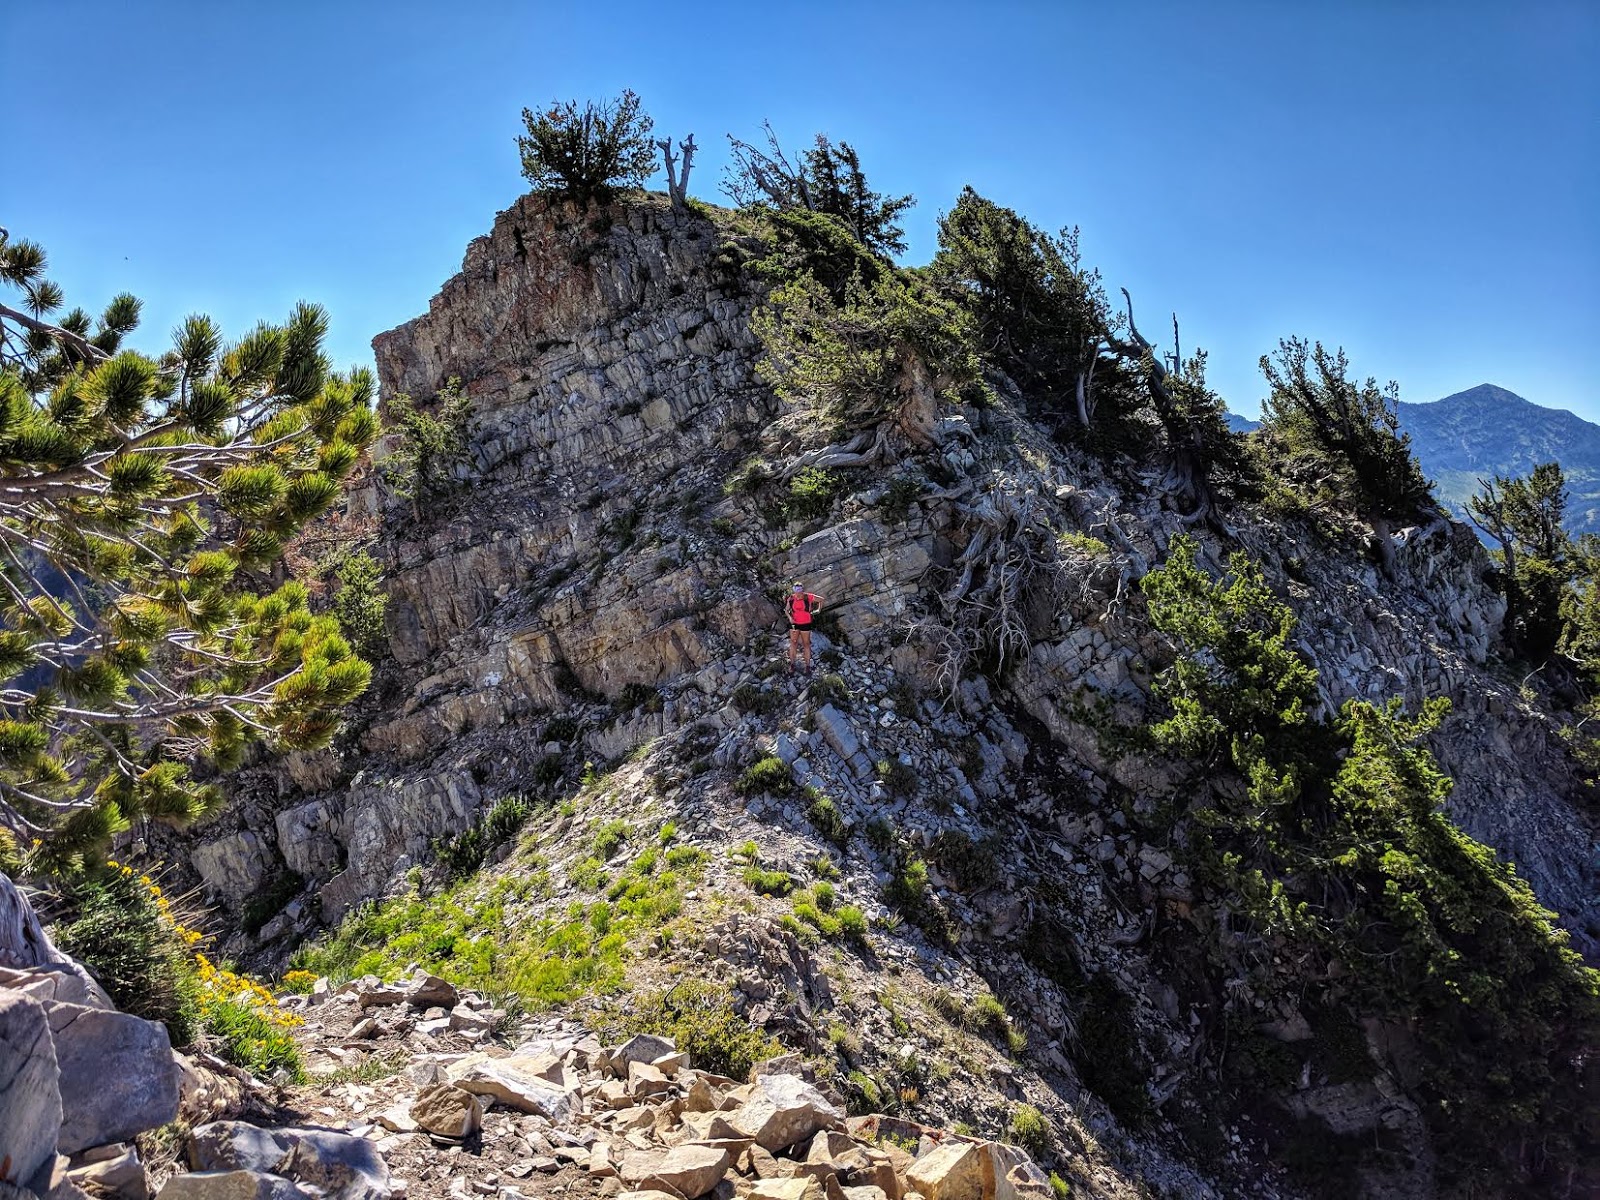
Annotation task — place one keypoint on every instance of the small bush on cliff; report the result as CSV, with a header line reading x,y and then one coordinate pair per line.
x,y
1030,1130
812,492
360,602
463,854
700,1018
770,774
434,439
589,152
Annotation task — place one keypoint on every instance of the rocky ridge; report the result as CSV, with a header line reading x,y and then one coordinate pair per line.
x,y
598,590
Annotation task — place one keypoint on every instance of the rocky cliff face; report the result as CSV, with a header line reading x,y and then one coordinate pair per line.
x,y
592,547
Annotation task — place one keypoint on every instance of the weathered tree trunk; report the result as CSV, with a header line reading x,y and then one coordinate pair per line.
x,y
1383,535
23,941
678,184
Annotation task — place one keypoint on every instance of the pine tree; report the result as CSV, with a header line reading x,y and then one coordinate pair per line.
x,y
1524,515
839,188
1348,433
827,179
141,503
1042,317
588,152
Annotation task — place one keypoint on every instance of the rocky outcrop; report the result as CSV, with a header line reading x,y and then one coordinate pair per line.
x,y
30,1089
602,584
78,1079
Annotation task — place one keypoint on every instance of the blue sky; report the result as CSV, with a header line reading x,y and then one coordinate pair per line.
x,y
1419,182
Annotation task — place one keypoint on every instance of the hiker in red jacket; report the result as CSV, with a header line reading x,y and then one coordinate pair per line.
x,y
800,605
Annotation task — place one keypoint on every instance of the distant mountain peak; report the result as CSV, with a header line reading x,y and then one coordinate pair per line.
x,y
1486,393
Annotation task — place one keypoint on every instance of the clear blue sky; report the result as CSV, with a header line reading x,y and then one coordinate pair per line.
x,y
1417,181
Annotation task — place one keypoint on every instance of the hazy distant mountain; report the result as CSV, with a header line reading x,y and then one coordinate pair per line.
x,y
1486,431
1241,424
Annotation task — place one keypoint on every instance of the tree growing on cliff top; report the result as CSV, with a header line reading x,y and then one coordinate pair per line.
x,y
827,179
141,500
1524,515
1346,436
589,152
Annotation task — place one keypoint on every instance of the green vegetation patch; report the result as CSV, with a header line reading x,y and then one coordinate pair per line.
x,y
480,935
700,1018
770,774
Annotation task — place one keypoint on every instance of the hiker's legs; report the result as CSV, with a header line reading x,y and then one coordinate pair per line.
x,y
805,642
794,645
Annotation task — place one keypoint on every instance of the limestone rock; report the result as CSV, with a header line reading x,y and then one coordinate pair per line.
x,y
337,1165
30,1094
691,1170
236,1146
66,983
641,1048
1016,1176
118,1075
646,1080
429,991
447,1111
233,866
953,1171
121,1175
801,1187
515,1081
783,1110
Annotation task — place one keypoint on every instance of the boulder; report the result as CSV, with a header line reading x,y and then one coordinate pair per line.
x,y
641,1048
646,1080
828,1146
464,1018
378,995
867,1166
30,1092
782,1110
236,1146
515,1081
447,1111
429,991
953,1171
339,1166
121,1175
690,1170
118,1075
229,1185
797,1188
67,983
1016,1176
